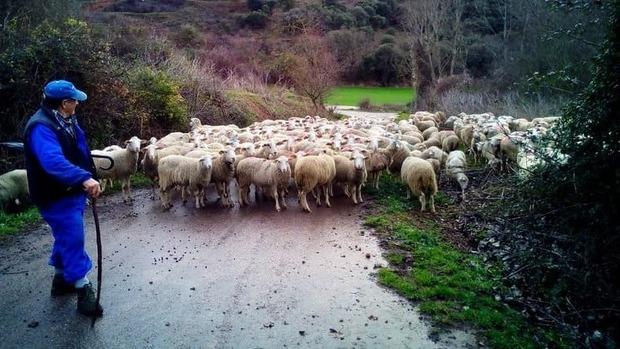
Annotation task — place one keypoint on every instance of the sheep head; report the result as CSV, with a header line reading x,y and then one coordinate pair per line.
x,y
282,164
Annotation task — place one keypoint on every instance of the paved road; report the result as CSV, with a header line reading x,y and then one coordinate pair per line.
x,y
215,278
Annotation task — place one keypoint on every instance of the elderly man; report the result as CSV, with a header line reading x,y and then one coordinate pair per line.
x,y
61,174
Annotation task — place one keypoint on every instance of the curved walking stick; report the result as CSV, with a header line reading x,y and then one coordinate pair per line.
x,y
99,257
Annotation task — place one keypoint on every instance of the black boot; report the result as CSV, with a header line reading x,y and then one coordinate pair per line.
x,y
86,302
61,287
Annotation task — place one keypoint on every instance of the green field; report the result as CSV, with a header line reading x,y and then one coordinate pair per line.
x,y
352,95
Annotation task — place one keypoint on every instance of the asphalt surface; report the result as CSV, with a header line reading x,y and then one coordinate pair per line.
x,y
215,278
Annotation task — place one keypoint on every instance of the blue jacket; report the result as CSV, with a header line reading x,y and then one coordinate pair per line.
x,y
57,162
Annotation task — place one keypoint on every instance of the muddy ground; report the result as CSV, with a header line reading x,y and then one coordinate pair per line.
x,y
215,278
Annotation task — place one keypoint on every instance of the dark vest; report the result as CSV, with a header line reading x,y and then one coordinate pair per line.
x,y
43,188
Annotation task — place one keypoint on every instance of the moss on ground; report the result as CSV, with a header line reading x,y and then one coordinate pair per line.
x,y
451,286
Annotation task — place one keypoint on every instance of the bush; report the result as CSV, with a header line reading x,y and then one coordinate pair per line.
x,y
255,20
159,95
479,61
255,5
188,36
573,204
385,65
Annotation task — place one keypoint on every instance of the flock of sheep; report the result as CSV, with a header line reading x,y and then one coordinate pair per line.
x,y
312,154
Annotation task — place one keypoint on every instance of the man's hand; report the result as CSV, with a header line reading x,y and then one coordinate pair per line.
x,y
92,187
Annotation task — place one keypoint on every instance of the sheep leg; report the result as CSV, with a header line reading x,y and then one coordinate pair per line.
x,y
125,185
353,193
326,191
241,196
165,199
359,194
317,197
432,203
303,201
408,194
347,190
274,192
422,199
283,198
183,198
196,193
313,193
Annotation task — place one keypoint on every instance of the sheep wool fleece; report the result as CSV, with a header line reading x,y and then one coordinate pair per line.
x,y
63,161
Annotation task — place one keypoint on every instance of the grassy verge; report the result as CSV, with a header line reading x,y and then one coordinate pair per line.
x,y
11,223
354,95
138,180
451,286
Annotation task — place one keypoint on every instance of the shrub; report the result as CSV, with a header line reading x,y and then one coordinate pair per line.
x,y
188,36
364,104
159,96
385,65
479,61
255,5
255,20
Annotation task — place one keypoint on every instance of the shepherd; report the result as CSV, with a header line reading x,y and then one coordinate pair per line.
x,y
61,176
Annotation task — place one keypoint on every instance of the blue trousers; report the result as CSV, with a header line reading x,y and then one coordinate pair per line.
x,y
66,218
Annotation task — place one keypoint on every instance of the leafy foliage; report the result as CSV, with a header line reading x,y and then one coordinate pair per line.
x,y
160,97
580,204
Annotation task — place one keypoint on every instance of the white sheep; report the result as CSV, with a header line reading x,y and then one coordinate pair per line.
x,y
455,169
377,162
314,171
418,174
13,189
222,173
125,164
352,173
271,175
191,174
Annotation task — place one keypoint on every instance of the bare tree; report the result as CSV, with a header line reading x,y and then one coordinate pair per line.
x,y
430,25
316,69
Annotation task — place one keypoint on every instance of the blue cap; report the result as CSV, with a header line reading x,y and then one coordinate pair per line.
x,y
63,89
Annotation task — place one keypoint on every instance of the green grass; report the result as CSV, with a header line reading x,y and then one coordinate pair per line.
x,y
11,223
451,286
352,95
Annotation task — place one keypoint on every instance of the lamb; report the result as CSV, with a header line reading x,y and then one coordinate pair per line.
x,y
455,169
377,161
273,175
149,164
435,153
314,171
13,189
173,138
429,132
222,173
352,172
450,143
190,174
418,174
398,153
125,164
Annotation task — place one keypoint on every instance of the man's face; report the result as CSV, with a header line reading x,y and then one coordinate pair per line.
x,y
68,106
